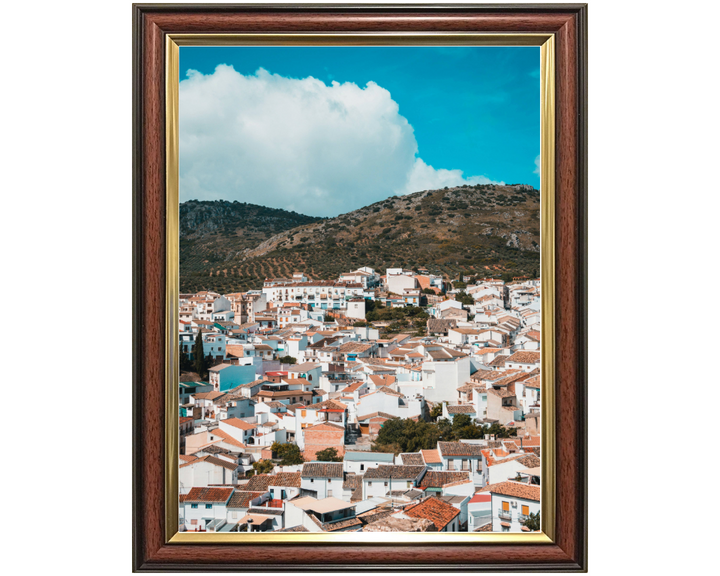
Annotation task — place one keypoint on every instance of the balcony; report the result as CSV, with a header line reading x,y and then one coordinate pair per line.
x,y
522,518
505,515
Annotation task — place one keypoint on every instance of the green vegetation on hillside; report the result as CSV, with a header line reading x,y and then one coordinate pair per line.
x,y
288,453
405,435
483,230
403,319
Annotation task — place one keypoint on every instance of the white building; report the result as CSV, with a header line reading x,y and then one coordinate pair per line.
x,y
397,280
322,294
356,308
359,462
463,456
202,507
379,482
321,479
205,471
512,503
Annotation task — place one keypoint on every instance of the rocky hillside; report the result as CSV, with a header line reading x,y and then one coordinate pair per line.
x,y
212,233
489,230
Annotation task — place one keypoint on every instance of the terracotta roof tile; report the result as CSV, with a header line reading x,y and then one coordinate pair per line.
x,y
237,423
453,449
322,470
529,461
431,456
288,479
462,409
412,459
211,460
392,471
327,405
242,498
259,482
525,357
438,512
438,479
227,438
209,495
515,490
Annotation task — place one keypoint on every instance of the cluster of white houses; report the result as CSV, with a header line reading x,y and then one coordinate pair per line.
x,y
341,384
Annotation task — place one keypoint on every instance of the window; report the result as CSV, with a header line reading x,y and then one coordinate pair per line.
x,y
362,467
525,510
369,483
208,506
312,480
506,506
193,506
386,483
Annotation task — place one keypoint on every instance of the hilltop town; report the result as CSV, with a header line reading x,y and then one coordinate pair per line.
x,y
401,402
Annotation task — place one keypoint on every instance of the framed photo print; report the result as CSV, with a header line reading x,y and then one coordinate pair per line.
x,y
360,287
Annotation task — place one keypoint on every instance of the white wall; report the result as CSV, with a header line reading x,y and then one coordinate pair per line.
x,y
356,310
203,474
355,466
448,376
323,486
396,283
377,402
515,511
203,514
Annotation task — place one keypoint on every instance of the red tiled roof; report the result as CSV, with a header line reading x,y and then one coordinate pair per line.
x,y
431,456
208,495
438,512
243,498
438,479
211,460
227,438
515,489
479,497
327,427
237,423
459,449
525,357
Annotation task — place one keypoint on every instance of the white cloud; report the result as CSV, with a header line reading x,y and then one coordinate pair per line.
x,y
297,144
424,177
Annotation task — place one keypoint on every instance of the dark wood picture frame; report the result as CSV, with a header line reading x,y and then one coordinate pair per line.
x,y
151,24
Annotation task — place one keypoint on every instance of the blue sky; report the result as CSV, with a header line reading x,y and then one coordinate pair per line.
x,y
469,109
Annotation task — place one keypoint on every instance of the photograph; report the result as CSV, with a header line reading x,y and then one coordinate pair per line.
x,y
359,300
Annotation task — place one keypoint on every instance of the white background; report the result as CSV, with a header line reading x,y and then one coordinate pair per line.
x,y
66,237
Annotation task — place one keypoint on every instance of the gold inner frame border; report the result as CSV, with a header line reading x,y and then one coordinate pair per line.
x,y
546,43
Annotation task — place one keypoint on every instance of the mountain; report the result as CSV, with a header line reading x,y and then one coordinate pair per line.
x,y
486,230
213,233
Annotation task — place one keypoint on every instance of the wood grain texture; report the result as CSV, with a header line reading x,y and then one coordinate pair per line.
x,y
151,25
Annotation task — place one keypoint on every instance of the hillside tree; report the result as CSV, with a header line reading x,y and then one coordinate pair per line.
x,y
200,362
328,455
289,454
263,466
